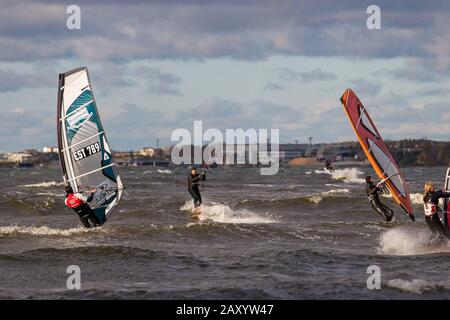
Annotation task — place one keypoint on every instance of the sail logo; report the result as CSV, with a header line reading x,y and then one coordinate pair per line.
x,y
79,118
104,192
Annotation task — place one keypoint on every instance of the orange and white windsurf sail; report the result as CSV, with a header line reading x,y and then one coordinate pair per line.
x,y
376,150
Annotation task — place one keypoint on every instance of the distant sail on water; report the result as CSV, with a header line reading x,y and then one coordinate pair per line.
x,y
86,158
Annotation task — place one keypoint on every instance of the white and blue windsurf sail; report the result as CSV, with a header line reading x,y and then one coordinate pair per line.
x,y
86,158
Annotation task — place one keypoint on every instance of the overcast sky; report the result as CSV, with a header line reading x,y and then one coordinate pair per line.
x,y
160,65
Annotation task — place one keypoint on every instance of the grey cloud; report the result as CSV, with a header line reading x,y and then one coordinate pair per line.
x,y
290,75
22,128
224,114
135,126
433,92
237,29
11,80
160,82
273,86
414,73
285,76
367,87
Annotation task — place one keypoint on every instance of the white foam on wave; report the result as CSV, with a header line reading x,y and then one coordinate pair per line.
x,y
351,175
45,231
317,198
417,198
417,286
259,185
222,213
52,194
410,241
164,171
43,184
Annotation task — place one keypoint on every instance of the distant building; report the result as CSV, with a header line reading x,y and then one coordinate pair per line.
x,y
148,161
147,152
290,151
20,157
50,150
336,152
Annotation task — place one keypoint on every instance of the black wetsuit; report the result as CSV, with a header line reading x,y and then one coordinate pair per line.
x,y
433,221
193,187
328,165
86,214
372,193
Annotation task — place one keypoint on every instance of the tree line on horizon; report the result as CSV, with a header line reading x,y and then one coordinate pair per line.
x,y
418,152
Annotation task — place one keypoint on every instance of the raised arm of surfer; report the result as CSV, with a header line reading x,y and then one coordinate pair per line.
x,y
194,180
79,203
431,208
374,199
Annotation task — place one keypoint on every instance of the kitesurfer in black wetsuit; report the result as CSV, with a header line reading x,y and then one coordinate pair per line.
x,y
374,199
431,208
79,203
194,180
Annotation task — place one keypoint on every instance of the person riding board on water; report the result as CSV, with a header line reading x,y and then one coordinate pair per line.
x,y
374,199
193,185
328,165
79,203
431,208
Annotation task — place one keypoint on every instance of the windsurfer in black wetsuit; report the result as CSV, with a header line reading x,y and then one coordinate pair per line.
x,y
328,165
374,199
194,180
431,209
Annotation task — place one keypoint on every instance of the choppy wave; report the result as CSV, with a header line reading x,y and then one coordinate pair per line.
x,y
259,185
163,171
43,205
351,175
330,195
317,198
222,213
323,171
45,231
411,241
418,286
52,194
43,184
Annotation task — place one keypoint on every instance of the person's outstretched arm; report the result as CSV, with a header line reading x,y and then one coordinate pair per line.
x,y
91,196
442,194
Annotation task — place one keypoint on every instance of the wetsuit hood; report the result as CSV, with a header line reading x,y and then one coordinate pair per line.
x,y
69,190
